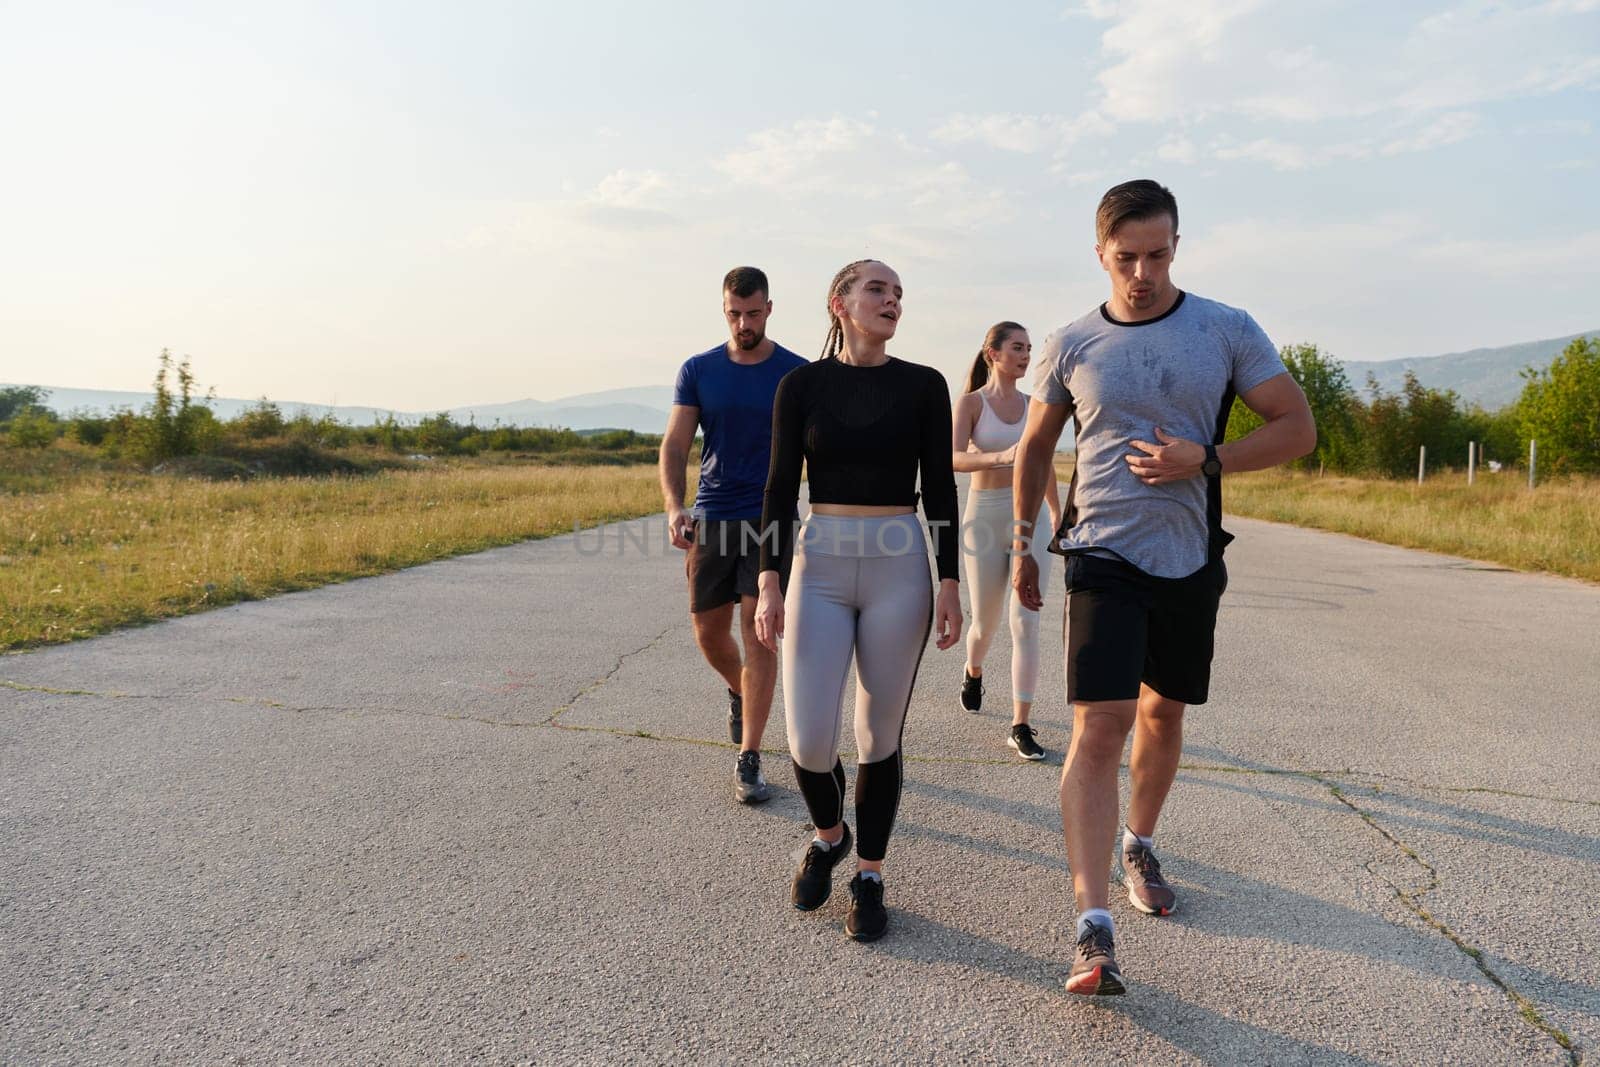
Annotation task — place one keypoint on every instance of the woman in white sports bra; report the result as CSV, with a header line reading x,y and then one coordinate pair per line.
x,y
987,425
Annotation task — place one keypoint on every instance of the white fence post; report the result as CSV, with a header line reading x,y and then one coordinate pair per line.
x,y
1472,460
1422,462
1533,461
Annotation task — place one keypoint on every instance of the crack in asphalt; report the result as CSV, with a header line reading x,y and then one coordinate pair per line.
x,y
1411,900
606,677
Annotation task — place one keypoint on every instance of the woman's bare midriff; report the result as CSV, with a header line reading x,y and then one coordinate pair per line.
x,y
993,478
862,511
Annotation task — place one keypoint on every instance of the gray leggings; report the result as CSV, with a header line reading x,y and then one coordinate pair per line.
x,y
860,587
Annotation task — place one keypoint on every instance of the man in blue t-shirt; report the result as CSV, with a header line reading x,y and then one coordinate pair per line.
x,y
1148,378
728,391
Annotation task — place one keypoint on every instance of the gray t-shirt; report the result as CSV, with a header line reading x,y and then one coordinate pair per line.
x,y
1121,380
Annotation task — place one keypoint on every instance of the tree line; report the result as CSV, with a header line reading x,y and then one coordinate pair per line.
x,y
179,423
1371,432
1365,432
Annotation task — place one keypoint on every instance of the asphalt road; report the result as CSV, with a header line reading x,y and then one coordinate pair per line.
x,y
481,810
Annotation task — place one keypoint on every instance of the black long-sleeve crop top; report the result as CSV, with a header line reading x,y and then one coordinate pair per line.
x,y
864,432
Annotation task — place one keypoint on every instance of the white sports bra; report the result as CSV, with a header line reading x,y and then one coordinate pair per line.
x,y
991,434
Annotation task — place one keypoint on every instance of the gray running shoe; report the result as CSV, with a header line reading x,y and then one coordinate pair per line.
x,y
1094,970
736,717
1022,739
1147,890
748,784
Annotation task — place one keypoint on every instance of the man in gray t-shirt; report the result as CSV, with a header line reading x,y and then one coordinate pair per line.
x,y
1148,378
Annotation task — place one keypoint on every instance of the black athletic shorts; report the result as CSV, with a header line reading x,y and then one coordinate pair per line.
x,y
723,563
1125,627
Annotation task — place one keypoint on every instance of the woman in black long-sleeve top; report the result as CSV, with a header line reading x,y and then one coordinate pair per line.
x,y
866,425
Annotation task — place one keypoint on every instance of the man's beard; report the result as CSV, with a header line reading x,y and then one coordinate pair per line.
x,y
750,344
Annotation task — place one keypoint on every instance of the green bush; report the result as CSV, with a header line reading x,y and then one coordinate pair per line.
x,y
15,399
34,428
1333,405
173,425
90,430
1560,409
264,419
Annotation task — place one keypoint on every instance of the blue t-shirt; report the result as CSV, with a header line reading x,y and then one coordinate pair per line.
x,y
735,402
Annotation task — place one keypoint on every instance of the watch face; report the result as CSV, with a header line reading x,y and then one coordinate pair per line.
x,y
1211,467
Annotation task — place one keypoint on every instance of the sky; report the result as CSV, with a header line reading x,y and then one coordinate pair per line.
x,y
429,206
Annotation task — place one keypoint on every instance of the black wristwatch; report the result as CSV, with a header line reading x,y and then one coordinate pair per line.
x,y
1212,467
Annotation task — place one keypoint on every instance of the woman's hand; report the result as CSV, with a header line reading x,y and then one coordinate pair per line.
x,y
947,614
1008,458
769,610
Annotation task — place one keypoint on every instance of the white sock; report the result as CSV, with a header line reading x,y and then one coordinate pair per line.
x,y
1130,839
871,876
1100,917
827,846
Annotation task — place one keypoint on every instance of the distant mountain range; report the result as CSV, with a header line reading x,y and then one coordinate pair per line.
x,y
640,408
1488,377
1485,376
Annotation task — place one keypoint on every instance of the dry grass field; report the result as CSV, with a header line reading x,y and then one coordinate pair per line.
x,y
85,550
89,551
1554,527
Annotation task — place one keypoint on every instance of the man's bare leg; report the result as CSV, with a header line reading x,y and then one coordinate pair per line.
x,y
1157,747
759,676
1089,802
713,633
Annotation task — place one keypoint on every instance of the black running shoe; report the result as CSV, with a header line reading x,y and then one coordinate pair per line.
x,y
736,717
814,880
1094,971
868,919
1022,739
971,691
748,784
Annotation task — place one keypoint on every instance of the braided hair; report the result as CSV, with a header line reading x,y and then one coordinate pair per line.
x,y
998,334
841,284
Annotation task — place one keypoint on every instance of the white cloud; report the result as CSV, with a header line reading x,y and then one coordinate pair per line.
x,y
854,163
1178,149
1022,133
1286,65
1282,154
1447,129
1154,46
1559,127
629,188
1521,259
792,154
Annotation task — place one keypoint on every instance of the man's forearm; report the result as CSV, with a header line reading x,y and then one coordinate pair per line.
x,y
1276,441
1028,481
671,468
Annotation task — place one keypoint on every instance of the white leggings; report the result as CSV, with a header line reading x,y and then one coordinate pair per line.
x,y
986,533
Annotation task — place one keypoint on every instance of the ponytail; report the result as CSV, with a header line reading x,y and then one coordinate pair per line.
x,y
997,336
978,376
